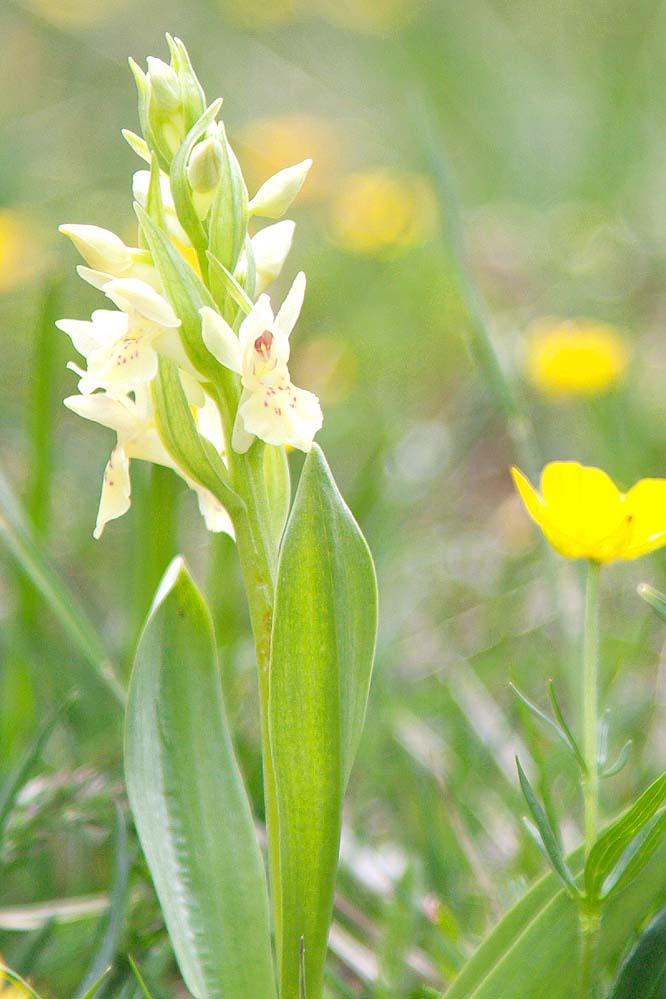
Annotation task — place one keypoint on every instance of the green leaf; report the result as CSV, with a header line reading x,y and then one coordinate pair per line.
x,y
644,972
189,804
568,735
113,923
96,986
11,976
607,851
278,487
621,761
154,205
546,837
562,730
228,284
185,291
636,856
178,432
533,950
654,598
322,651
139,977
18,537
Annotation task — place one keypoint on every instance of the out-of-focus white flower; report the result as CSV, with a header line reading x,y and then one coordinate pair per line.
x,y
120,347
270,407
271,246
133,421
275,195
140,184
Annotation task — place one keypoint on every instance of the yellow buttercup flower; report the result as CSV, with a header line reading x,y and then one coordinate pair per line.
x,y
380,211
575,357
583,514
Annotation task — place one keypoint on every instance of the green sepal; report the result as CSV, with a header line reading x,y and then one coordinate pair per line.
x,y
229,213
195,455
607,853
545,839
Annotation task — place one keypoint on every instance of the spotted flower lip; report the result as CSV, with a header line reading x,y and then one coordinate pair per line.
x,y
583,514
270,407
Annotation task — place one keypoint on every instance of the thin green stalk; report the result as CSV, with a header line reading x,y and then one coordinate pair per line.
x,y
591,704
258,559
589,913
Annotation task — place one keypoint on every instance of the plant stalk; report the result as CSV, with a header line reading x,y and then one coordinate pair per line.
x,y
589,912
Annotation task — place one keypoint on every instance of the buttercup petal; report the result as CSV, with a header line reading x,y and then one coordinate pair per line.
x,y
645,510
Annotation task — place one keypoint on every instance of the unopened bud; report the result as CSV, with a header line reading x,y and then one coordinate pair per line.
x,y
271,246
165,94
275,196
101,249
205,166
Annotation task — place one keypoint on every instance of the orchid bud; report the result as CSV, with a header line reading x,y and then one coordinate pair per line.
x,y
101,249
205,166
271,246
276,195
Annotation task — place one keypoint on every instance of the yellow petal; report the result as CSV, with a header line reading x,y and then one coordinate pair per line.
x,y
645,511
585,506
536,508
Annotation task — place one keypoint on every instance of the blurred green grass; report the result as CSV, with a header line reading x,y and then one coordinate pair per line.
x,y
552,120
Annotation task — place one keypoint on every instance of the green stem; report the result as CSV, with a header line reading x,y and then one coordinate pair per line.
x,y
257,554
590,704
589,913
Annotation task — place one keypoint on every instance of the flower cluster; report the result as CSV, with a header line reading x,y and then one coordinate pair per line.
x,y
185,296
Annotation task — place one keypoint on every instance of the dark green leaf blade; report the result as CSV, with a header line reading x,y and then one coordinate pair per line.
x,y
189,803
644,972
322,651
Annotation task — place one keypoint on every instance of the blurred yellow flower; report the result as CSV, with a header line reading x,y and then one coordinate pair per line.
x,y
268,144
71,13
372,16
583,514
380,211
21,249
575,357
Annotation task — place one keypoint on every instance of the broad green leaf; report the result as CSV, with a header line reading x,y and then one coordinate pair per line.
x,y
644,972
322,650
607,851
185,291
533,950
189,804
113,923
177,429
278,486
546,837
16,534
635,856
